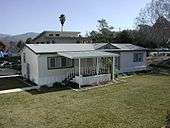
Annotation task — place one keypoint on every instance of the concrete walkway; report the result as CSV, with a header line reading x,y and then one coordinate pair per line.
x,y
19,89
9,76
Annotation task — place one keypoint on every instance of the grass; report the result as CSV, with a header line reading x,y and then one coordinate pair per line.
x,y
142,102
11,83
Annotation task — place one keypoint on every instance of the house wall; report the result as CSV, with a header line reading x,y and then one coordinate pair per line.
x,y
45,40
48,77
63,34
31,59
127,64
62,37
39,72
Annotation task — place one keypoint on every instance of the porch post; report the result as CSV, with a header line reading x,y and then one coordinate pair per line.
x,y
97,66
79,72
113,67
97,69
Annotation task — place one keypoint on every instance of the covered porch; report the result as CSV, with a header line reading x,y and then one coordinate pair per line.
x,y
91,67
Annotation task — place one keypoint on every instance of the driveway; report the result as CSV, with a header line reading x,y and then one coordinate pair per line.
x,y
12,83
7,71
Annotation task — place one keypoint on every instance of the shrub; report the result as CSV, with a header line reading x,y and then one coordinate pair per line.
x,y
43,87
72,84
58,85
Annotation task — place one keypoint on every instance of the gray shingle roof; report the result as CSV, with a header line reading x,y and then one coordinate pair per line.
x,y
120,47
128,47
52,48
86,54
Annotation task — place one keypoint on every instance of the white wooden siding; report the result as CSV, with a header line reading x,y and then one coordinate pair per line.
x,y
127,64
32,59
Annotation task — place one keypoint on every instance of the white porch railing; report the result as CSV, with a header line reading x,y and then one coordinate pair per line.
x,y
87,71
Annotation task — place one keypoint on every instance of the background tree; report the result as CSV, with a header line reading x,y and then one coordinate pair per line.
x,y
152,11
20,45
2,46
153,24
105,33
123,37
28,41
62,21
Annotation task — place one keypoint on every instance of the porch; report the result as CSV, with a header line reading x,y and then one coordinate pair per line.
x,y
90,67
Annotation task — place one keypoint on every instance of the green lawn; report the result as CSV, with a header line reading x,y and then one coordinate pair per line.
x,y
142,102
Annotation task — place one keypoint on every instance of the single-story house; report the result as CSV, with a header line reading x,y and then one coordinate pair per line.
x,y
84,64
45,64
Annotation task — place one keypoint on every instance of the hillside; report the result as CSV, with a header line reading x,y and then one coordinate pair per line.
x,y
3,35
14,38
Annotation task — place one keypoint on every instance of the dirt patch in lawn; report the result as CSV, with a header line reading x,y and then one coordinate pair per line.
x,y
11,83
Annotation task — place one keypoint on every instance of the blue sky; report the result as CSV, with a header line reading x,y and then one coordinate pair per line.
x,y
21,16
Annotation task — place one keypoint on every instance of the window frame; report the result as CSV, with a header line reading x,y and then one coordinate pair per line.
x,y
117,62
51,35
61,65
24,57
138,57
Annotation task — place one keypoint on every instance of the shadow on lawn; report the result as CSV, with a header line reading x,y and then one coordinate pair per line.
x,y
46,89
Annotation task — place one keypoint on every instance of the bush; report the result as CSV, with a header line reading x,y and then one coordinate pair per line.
x,y
44,87
72,84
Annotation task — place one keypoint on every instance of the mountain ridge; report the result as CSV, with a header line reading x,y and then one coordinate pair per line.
x,y
15,38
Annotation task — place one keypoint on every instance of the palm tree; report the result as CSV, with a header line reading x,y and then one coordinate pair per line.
x,y
62,21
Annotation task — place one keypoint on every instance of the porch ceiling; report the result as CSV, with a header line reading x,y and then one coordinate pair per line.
x,y
86,54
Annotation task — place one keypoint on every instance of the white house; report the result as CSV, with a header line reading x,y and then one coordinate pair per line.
x,y
45,64
84,64
131,58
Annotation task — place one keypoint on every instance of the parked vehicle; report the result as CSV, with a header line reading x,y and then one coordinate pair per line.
x,y
6,64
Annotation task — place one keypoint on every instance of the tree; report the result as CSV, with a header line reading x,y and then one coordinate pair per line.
x,y
104,25
152,11
2,46
62,21
28,41
153,23
20,45
105,33
123,37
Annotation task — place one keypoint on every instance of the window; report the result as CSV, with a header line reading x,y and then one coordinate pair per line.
x,y
24,59
59,62
63,62
50,34
52,63
57,34
117,62
138,57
